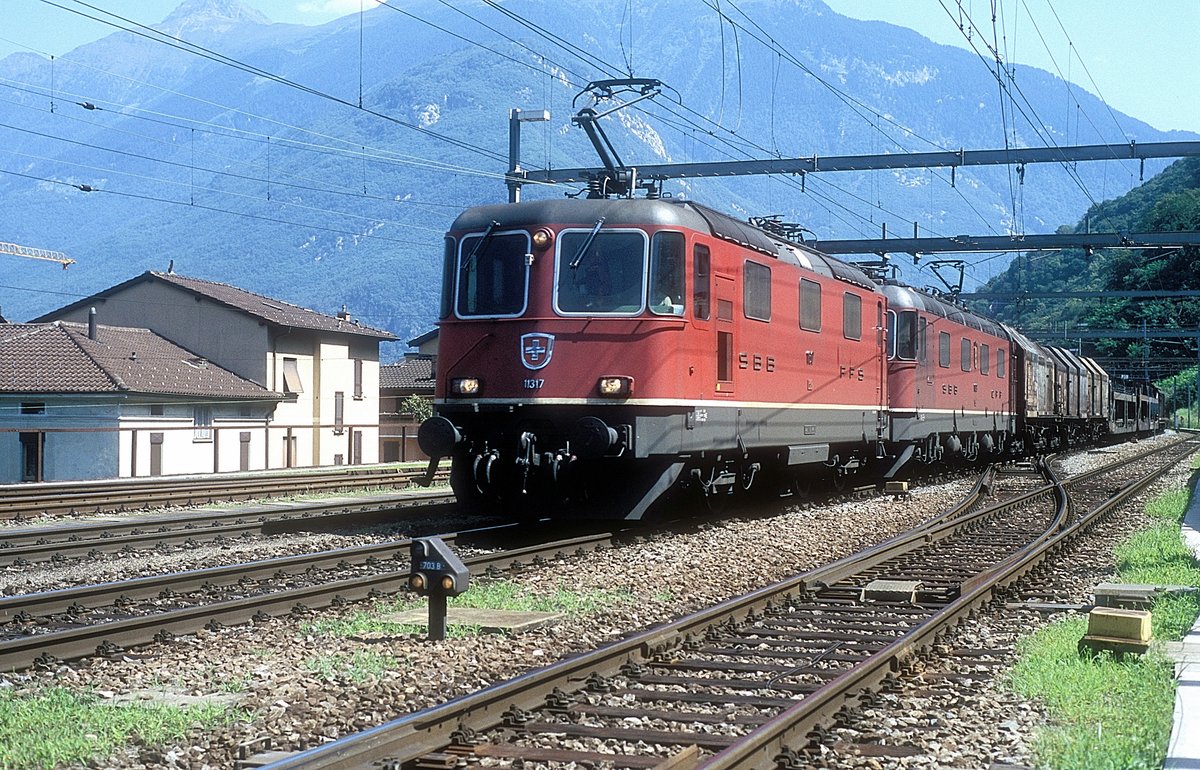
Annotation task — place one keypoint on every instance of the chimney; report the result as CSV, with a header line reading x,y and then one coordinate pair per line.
x,y
92,324
343,314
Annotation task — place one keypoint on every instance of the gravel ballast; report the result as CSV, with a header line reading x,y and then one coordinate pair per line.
x,y
299,687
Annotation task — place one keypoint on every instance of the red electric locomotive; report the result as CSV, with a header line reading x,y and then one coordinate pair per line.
x,y
614,349
948,376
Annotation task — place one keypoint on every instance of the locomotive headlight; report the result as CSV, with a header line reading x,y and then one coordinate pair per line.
x,y
465,386
542,238
616,387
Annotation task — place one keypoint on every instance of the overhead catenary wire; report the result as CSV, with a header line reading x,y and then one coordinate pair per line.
x,y
149,33
304,225
215,172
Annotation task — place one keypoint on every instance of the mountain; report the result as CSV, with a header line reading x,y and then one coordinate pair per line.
x,y
1169,202
240,151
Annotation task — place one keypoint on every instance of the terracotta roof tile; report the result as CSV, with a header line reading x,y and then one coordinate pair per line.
x,y
271,310
59,357
413,373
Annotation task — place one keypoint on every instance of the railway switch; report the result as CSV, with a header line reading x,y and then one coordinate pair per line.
x,y
438,573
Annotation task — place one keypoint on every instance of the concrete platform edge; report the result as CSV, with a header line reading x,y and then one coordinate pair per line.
x,y
1183,750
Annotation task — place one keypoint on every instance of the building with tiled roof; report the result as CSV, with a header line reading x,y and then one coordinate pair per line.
x,y
325,367
95,401
399,382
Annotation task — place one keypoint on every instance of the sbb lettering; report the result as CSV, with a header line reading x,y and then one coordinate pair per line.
x,y
950,390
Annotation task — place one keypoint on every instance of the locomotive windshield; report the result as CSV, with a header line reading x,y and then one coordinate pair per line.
x,y
608,276
492,274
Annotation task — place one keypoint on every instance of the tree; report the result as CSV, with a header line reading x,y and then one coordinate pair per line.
x,y
419,407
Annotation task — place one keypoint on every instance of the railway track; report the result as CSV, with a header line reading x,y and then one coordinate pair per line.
x,y
20,502
753,681
106,619
58,543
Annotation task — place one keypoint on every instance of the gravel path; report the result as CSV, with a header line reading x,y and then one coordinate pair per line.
x,y
300,687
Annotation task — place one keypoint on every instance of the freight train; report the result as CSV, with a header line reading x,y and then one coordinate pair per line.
x,y
605,352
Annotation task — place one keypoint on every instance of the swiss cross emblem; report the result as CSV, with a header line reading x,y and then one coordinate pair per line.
x,y
536,349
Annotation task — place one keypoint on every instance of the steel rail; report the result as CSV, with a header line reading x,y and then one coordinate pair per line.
x,y
405,740
97,497
45,648
773,744
25,545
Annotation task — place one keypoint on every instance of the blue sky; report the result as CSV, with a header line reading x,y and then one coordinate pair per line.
x,y
1139,55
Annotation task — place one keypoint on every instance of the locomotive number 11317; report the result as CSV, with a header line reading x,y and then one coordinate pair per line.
x,y
534,383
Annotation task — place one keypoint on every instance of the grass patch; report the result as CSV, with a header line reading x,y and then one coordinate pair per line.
x,y
1108,714
56,727
1158,555
486,594
508,595
362,666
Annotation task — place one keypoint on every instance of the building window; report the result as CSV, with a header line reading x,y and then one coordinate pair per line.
x,y
291,376
944,350
33,407
339,412
851,316
810,305
358,379
156,410
756,291
202,417
965,363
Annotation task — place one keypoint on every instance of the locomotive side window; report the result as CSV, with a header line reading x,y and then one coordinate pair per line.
x,y
966,355
810,305
944,350
601,272
492,275
701,283
985,355
852,316
904,335
756,291
1000,359
447,279
666,274
922,326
